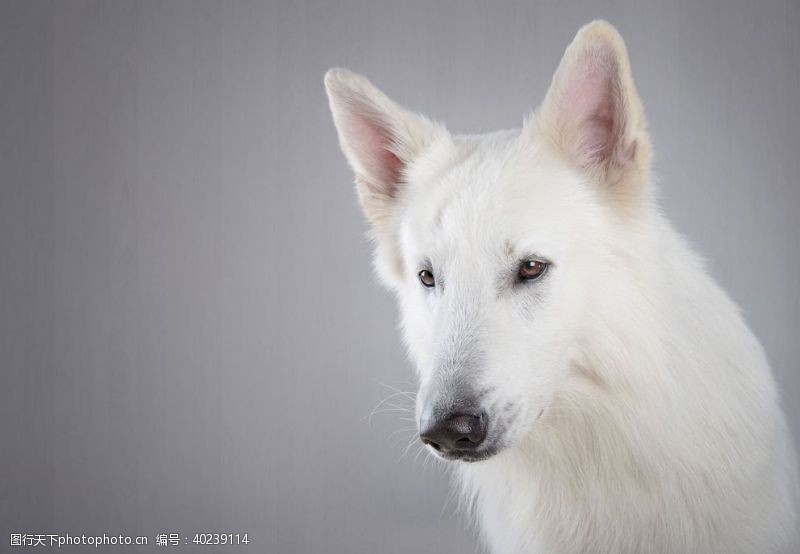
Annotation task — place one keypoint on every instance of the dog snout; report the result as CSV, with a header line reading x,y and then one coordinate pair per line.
x,y
454,434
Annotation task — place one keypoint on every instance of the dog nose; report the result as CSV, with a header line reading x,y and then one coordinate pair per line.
x,y
454,432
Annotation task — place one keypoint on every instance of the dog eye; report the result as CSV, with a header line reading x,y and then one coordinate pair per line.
x,y
426,278
531,270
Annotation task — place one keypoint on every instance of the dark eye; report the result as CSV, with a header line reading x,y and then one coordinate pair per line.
x,y
531,270
426,278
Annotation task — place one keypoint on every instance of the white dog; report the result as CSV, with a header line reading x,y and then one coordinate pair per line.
x,y
567,339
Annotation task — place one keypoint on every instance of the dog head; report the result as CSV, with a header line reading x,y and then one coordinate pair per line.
x,y
496,244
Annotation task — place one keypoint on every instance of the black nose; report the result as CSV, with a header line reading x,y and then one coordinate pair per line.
x,y
454,433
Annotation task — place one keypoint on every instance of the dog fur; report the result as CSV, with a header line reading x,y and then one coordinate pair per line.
x,y
630,408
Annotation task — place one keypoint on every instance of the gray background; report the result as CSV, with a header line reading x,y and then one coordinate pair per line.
x,y
190,333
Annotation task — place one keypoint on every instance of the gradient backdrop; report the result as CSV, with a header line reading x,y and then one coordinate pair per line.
x,y
190,332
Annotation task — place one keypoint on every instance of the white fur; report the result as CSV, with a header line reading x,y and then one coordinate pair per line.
x,y
662,430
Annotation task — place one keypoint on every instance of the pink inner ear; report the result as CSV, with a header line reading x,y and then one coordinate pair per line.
x,y
374,142
589,109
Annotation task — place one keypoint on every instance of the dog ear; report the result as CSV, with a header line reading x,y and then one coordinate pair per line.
x,y
592,113
379,139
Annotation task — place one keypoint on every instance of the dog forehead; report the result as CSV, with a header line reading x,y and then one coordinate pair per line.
x,y
450,215
495,193
467,175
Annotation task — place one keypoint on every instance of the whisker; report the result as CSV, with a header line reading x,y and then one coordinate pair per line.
x,y
411,394
410,444
447,500
422,447
385,410
390,401
412,434
392,409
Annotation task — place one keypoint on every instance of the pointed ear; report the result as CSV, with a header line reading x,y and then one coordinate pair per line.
x,y
592,113
379,139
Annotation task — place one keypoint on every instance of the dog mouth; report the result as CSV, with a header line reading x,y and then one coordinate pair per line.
x,y
468,456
